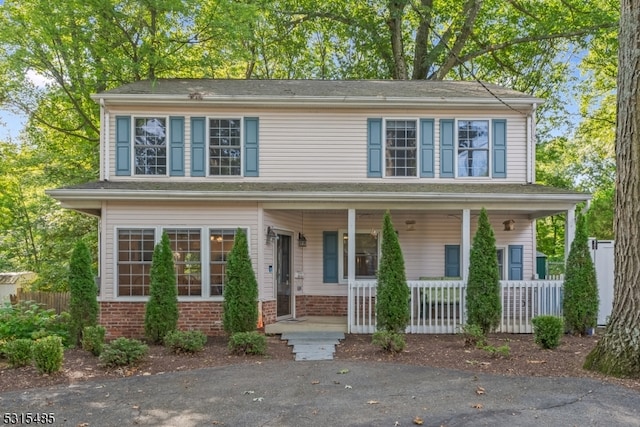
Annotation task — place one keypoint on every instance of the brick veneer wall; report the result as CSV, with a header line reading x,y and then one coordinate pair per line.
x,y
319,305
126,319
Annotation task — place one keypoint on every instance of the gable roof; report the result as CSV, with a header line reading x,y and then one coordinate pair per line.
x,y
343,92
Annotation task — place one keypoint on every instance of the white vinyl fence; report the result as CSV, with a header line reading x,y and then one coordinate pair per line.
x,y
438,306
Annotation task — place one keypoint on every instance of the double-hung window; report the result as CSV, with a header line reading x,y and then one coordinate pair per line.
x,y
401,148
225,147
473,148
221,243
367,250
135,253
150,145
186,248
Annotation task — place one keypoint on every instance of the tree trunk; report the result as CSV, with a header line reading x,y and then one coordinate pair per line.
x,y
618,352
396,13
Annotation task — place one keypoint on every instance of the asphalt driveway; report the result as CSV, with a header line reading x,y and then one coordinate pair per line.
x,y
331,393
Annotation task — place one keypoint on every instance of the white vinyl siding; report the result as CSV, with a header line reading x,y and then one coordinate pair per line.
x,y
322,145
179,215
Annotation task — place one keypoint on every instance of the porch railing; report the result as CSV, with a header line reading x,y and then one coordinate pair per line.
x,y
439,306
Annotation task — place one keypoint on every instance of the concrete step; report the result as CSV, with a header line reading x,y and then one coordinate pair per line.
x,y
313,345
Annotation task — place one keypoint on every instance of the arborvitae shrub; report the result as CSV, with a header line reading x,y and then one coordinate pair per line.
x,y
547,330
185,341
18,352
48,354
248,343
83,302
93,339
161,311
240,289
483,286
580,300
392,300
123,352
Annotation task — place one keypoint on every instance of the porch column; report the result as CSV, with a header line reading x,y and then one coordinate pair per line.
x,y
260,246
465,247
351,248
569,231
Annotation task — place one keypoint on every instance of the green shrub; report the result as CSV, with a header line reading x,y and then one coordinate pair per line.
x,y
580,300
240,289
391,342
473,336
185,341
483,286
547,330
23,319
123,352
392,300
93,339
18,352
503,350
161,311
248,343
83,302
48,353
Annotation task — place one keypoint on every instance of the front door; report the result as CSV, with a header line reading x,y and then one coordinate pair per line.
x,y
283,275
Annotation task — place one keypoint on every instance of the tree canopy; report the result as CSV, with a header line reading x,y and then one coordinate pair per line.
x,y
79,47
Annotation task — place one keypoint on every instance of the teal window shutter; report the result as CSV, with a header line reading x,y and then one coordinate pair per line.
x,y
330,257
251,152
374,148
500,148
123,145
198,147
447,148
515,262
452,260
427,149
176,144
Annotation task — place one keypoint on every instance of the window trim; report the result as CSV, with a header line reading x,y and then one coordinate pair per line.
x,y
205,249
489,147
416,120
505,260
341,232
132,132
208,145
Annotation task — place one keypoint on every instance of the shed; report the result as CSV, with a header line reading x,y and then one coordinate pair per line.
x,y
11,282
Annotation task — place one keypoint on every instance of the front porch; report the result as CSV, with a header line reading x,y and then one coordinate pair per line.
x,y
436,307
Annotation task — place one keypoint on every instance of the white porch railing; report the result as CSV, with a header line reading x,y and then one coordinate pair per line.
x,y
438,306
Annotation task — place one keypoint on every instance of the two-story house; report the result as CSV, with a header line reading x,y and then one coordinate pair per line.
x,y
307,168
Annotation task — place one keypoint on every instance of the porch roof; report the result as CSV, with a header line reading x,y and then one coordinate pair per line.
x,y
536,200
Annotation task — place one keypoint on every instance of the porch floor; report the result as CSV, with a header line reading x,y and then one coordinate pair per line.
x,y
308,323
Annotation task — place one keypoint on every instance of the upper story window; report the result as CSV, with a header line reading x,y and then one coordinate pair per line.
x,y
473,148
401,148
225,147
150,146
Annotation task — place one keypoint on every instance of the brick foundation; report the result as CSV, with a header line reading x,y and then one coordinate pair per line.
x,y
319,305
126,319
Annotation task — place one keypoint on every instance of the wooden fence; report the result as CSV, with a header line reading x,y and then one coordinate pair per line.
x,y
59,301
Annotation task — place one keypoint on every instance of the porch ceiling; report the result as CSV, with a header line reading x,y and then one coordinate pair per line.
x,y
535,200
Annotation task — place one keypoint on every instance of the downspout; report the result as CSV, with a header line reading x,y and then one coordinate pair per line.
x,y
531,142
104,139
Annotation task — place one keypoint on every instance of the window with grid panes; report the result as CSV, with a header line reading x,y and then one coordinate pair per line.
x,y
150,146
221,243
401,148
225,147
185,245
135,253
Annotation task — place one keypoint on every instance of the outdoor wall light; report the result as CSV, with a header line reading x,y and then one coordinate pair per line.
x,y
509,225
302,241
271,234
411,224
